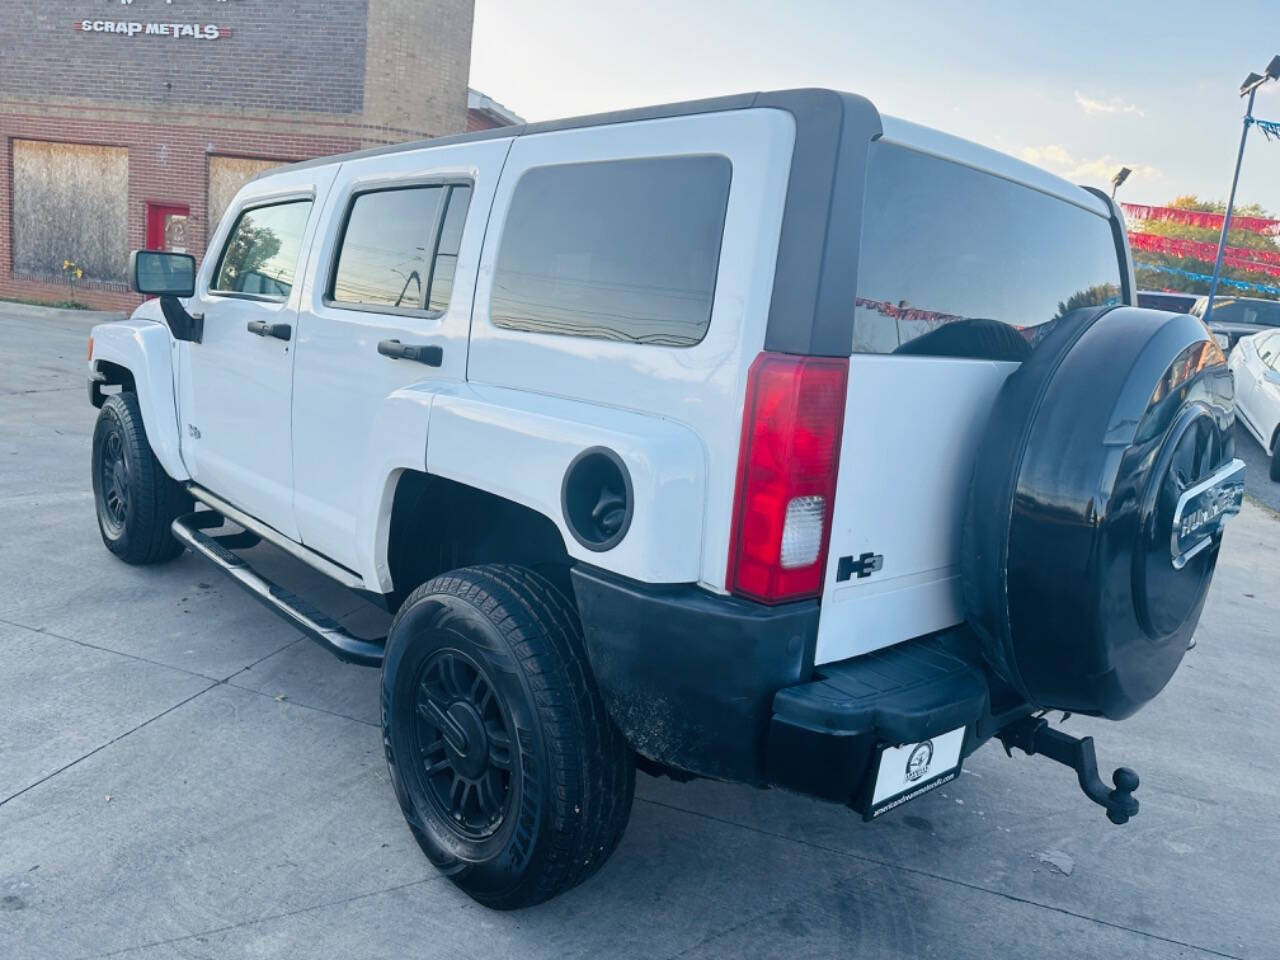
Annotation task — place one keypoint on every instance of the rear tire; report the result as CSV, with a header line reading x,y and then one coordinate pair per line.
x,y
512,777
136,500
1275,457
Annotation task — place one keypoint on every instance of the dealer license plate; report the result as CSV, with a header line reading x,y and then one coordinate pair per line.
x,y
904,773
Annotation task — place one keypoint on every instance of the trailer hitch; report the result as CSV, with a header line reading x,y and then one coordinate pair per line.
x,y
1033,735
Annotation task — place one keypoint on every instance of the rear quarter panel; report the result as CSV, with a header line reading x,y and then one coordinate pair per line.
x,y
692,396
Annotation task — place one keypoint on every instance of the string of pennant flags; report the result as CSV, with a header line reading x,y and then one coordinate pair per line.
x,y
1201,218
1269,128
1224,281
1240,258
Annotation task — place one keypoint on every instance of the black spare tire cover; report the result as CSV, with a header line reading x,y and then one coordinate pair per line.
x,y
1069,567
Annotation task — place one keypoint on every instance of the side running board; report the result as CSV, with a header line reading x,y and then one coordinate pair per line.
x,y
190,530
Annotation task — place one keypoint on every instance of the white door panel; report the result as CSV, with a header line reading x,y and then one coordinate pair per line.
x,y
699,386
1246,368
911,432
235,386
1268,409
341,382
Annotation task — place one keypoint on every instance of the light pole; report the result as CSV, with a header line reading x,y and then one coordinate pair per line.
x,y
1121,176
1250,87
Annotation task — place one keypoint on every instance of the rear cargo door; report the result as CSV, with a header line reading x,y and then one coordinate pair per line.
x,y
962,270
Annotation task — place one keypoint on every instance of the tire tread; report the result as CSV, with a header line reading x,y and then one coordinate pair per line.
x,y
592,770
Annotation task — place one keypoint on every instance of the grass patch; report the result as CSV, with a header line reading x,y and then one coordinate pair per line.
x,y
55,304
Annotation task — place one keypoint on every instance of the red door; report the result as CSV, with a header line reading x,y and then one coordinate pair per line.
x,y
167,227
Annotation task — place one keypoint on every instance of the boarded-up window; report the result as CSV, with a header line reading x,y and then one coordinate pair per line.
x,y
71,202
226,176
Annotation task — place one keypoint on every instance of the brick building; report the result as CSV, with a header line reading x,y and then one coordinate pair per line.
x,y
132,123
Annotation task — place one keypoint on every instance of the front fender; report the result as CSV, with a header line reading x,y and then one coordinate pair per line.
x,y
144,347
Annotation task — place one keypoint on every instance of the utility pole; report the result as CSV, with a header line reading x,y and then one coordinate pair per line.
x,y
1250,87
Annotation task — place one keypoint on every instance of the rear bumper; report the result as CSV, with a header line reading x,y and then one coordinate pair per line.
x,y
723,688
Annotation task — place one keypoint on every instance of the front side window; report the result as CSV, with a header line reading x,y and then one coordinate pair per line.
x,y
957,262
261,255
623,250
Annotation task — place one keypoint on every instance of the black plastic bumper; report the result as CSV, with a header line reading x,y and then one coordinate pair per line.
x,y
688,676
724,688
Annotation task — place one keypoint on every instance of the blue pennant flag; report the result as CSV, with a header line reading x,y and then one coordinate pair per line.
x,y
1269,128
1228,281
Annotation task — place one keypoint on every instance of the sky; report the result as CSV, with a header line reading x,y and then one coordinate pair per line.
x,y
1079,88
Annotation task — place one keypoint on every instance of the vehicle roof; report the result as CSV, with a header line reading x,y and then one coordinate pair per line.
x,y
1231,298
948,147
895,130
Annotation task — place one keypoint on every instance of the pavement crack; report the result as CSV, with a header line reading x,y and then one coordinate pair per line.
x,y
281,649
916,871
101,747
23,393
119,653
328,904
305,706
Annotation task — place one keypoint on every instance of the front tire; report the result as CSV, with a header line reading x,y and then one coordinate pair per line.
x,y
136,500
1275,457
512,777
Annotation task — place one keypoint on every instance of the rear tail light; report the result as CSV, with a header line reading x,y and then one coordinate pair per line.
x,y
787,466
91,348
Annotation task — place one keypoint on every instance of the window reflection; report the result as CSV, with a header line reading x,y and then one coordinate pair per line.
x,y
956,262
619,250
446,259
261,256
382,261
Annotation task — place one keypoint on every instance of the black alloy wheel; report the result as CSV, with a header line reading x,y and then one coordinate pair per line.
x,y
135,501
512,777
113,475
463,737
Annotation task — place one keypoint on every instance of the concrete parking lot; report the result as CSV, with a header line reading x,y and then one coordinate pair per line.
x,y
181,775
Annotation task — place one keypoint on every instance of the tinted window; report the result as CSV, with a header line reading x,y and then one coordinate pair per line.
x,y
1266,346
446,259
384,250
1173,302
261,256
956,262
1264,313
622,250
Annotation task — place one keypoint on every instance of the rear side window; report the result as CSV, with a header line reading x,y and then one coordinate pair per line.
x,y
956,262
449,241
621,250
261,255
399,248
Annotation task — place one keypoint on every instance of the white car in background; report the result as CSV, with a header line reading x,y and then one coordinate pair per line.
x,y
1255,362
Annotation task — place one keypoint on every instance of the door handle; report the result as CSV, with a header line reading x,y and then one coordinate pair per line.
x,y
422,353
281,331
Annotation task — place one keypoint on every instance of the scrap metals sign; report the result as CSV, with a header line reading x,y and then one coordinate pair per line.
x,y
135,28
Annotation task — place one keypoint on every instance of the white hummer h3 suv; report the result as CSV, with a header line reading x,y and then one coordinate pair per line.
x,y
762,438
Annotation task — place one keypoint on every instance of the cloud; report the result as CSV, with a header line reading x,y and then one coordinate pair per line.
x,y
1114,105
1061,161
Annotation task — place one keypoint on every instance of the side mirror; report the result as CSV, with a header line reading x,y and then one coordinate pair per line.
x,y
168,276
1272,376
162,274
